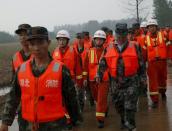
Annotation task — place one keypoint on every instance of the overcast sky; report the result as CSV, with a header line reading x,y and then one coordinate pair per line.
x,y
49,13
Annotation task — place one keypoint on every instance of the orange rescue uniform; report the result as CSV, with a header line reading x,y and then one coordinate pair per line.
x,y
99,91
157,65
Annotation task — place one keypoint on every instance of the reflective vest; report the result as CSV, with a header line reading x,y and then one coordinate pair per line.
x,y
93,65
68,58
157,48
129,57
17,60
41,97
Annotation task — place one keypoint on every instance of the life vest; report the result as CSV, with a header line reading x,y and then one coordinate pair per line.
x,y
17,60
41,97
93,65
129,57
156,49
68,58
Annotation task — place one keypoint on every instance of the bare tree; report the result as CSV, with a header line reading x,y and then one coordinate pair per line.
x,y
138,8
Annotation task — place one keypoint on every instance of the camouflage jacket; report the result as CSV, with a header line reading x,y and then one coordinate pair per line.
x,y
68,93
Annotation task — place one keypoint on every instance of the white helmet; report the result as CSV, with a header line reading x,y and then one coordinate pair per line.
x,y
63,33
152,22
100,34
143,24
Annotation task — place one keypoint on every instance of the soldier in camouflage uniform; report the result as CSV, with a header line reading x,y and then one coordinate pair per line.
x,y
125,64
18,58
38,45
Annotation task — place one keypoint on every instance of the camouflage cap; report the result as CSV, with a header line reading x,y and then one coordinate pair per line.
x,y
37,32
22,27
121,29
105,29
80,35
86,33
136,26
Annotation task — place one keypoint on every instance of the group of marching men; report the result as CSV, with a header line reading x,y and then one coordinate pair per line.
x,y
48,89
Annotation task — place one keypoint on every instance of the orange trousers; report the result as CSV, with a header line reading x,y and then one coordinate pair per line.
x,y
100,94
157,73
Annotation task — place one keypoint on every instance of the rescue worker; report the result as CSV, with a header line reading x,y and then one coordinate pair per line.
x,y
124,63
24,53
168,36
87,40
109,37
99,90
143,27
139,38
66,54
88,43
18,58
157,64
81,52
44,86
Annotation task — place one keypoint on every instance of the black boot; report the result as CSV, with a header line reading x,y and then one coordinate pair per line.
x,y
130,120
154,105
100,124
123,124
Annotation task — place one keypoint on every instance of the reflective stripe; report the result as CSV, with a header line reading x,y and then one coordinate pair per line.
x,y
84,73
79,77
154,93
160,37
144,47
92,56
67,116
56,54
162,87
100,114
23,67
56,67
148,41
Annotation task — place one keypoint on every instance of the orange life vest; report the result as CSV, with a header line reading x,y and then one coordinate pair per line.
x,y
157,48
17,60
129,57
41,97
93,65
68,58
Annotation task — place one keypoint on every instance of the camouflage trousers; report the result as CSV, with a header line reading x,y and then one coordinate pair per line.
x,y
125,96
81,96
21,122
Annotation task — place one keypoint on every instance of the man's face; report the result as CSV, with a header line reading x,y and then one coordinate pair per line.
x,y
81,41
39,47
137,31
22,39
99,42
167,29
121,39
62,42
152,29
